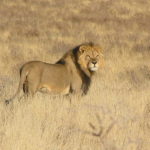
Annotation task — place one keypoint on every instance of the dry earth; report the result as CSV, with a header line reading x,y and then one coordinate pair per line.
x,y
115,114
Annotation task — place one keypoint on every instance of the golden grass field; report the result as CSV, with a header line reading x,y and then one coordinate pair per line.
x,y
115,114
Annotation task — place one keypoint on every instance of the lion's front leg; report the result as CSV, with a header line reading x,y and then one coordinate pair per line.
x,y
76,85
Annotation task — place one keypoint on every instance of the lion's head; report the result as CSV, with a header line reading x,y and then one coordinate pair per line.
x,y
89,57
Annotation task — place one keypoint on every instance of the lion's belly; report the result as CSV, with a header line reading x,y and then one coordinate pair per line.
x,y
55,90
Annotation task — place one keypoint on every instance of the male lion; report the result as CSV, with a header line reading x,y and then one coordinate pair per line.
x,y
72,73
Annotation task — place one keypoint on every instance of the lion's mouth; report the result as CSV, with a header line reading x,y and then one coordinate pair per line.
x,y
94,68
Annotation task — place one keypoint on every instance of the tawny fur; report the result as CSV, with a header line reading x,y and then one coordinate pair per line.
x,y
72,73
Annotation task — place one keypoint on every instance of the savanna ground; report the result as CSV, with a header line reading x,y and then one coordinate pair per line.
x,y
115,114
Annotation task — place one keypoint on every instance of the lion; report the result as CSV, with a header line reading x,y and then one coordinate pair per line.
x,y
70,74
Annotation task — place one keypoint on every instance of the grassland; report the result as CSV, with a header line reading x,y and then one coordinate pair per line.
x,y
115,115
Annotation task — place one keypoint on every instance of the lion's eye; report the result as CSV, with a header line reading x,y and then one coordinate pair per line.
x,y
88,57
97,56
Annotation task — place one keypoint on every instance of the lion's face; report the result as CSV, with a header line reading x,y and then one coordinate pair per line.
x,y
89,57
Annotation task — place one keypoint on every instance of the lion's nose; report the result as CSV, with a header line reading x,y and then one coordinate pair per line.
x,y
94,62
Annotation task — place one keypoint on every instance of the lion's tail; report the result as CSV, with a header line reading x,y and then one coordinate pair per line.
x,y
23,75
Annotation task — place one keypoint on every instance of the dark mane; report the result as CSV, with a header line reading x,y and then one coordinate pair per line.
x,y
74,51
86,81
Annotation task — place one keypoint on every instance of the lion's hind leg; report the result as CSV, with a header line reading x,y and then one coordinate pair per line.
x,y
25,87
32,88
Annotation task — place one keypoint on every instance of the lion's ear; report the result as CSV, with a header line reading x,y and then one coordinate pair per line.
x,y
82,49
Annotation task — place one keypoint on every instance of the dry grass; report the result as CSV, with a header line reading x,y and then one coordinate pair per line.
x,y
115,115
